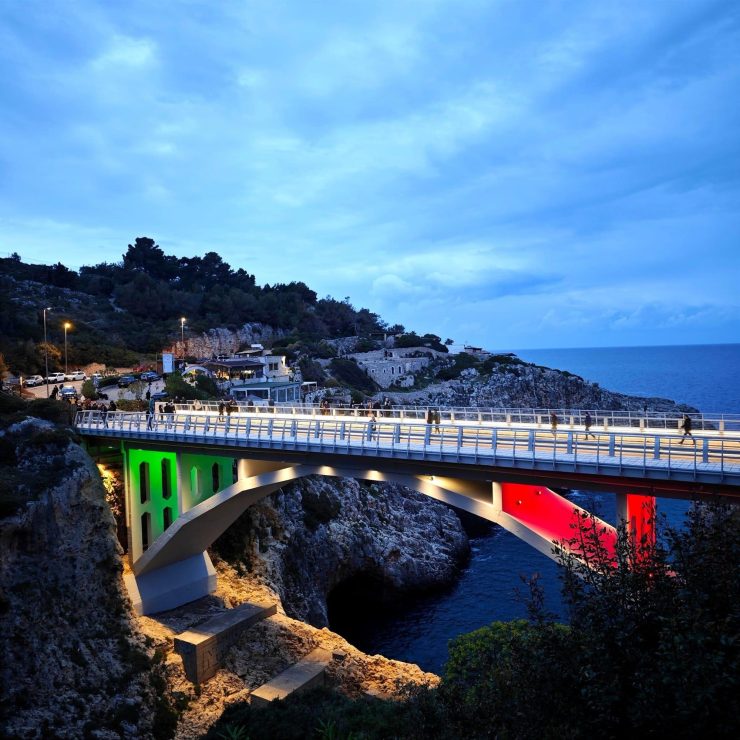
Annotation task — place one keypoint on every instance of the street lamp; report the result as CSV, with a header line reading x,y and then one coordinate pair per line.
x,y
182,335
67,325
46,353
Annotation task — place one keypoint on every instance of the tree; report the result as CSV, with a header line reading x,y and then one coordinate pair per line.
x,y
651,649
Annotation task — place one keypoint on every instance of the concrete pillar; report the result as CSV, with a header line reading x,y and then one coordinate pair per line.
x,y
496,496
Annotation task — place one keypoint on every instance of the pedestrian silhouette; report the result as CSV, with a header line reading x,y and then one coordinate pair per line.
x,y
554,422
371,426
587,426
686,426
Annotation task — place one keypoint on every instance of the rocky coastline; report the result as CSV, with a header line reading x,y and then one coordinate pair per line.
x,y
78,662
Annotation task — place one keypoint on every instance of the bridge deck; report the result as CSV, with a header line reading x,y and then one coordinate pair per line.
x,y
711,457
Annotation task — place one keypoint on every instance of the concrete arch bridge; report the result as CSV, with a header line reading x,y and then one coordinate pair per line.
x,y
189,475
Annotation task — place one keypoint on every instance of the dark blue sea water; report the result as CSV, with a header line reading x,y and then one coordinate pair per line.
x,y
707,377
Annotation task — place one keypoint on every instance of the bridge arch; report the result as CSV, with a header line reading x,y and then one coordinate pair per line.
x,y
175,567
495,468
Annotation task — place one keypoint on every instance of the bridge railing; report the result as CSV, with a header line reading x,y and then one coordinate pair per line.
x,y
459,442
567,418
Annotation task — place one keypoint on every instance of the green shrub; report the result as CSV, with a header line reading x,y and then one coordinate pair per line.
x,y
322,713
352,375
10,403
89,390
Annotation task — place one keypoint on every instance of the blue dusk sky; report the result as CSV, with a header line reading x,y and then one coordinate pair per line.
x,y
507,173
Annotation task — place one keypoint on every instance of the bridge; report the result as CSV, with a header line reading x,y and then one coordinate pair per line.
x,y
190,474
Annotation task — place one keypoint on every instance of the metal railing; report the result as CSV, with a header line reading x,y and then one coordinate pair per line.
x,y
652,454
567,418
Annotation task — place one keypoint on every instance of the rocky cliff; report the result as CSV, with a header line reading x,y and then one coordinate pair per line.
x,y
74,663
77,662
520,385
319,532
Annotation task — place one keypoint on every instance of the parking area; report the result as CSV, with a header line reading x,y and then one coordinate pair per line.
x,y
113,392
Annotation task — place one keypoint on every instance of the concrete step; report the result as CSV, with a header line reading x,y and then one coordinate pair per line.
x,y
204,647
306,674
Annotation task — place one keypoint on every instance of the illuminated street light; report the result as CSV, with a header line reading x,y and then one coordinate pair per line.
x,y
46,353
67,325
182,334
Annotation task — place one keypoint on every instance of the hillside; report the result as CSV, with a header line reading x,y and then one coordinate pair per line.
x,y
134,307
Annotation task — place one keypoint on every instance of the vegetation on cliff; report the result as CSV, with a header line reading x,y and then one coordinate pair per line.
x,y
651,650
134,306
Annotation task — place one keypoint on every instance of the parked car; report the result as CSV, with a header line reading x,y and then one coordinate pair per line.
x,y
33,380
125,381
149,376
160,395
75,375
55,378
68,391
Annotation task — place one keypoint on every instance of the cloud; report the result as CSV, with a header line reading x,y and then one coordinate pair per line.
x,y
527,174
125,52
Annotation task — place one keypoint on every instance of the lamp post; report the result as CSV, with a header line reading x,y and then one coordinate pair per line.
x,y
46,353
182,335
67,325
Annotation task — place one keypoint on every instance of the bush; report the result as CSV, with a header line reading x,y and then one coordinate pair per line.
x,y
89,391
651,652
365,344
352,375
311,370
178,387
414,340
322,713
461,362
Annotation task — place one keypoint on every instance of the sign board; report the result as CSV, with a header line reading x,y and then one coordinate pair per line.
x,y
168,365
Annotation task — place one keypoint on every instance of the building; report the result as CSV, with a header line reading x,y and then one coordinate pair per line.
x,y
395,367
257,375
478,352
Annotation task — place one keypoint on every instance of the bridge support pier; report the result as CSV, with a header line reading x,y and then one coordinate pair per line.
x,y
637,512
171,585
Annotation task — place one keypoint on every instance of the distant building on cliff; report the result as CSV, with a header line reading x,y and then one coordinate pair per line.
x,y
256,374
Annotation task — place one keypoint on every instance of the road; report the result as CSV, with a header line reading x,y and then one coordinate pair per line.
x,y
113,392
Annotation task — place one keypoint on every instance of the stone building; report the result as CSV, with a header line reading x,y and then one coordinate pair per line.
x,y
395,367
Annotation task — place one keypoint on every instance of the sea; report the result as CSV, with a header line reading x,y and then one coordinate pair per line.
x,y
494,584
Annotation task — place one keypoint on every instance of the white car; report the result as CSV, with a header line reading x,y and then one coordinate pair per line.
x,y
75,375
33,380
55,378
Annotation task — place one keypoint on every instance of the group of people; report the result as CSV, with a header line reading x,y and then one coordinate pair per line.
x,y
587,421
229,407
433,417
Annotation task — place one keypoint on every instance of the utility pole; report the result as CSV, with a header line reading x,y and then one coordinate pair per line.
x,y
67,325
46,353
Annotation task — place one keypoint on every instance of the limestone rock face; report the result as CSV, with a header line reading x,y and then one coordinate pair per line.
x,y
225,341
72,659
314,534
531,386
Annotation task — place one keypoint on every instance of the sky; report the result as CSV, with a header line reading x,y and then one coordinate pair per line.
x,y
506,173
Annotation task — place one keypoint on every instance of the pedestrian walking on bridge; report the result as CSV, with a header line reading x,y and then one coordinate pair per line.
x,y
587,426
554,422
686,426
